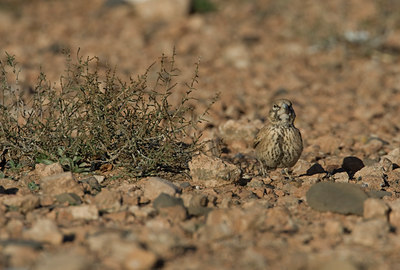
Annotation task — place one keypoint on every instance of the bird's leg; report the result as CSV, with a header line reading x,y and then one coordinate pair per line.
x,y
286,172
264,170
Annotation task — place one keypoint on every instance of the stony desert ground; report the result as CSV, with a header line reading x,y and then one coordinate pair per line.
x,y
336,60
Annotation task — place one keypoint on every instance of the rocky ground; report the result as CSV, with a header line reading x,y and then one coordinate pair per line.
x,y
336,60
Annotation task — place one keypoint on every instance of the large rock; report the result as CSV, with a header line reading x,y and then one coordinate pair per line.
x,y
60,183
343,198
213,171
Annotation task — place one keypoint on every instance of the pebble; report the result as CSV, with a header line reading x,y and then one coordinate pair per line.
x,y
341,177
168,10
375,208
69,259
100,178
343,198
394,215
19,256
44,230
370,232
223,223
394,156
279,219
154,186
196,204
372,146
108,201
60,183
143,211
83,212
43,170
138,258
375,170
301,167
175,213
166,200
333,228
68,198
352,165
235,131
15,227
91,185
24,204
213,171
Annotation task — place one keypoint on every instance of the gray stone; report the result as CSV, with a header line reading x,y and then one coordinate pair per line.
x,y
197,205
379,194
91,185
343,198
69,198
166,200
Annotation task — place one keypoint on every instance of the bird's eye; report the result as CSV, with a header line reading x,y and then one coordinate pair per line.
x,y
275,107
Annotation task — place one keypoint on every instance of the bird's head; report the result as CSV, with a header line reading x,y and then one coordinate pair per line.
x,y
281,112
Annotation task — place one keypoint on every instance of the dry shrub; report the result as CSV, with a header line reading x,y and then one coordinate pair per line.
x,y
87,121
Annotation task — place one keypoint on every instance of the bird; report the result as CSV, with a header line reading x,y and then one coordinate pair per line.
x,y
279,143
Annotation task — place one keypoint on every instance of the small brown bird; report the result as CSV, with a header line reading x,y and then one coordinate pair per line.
x,y
279,144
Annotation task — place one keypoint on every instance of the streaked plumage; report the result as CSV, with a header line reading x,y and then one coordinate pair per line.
x,y
279,144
